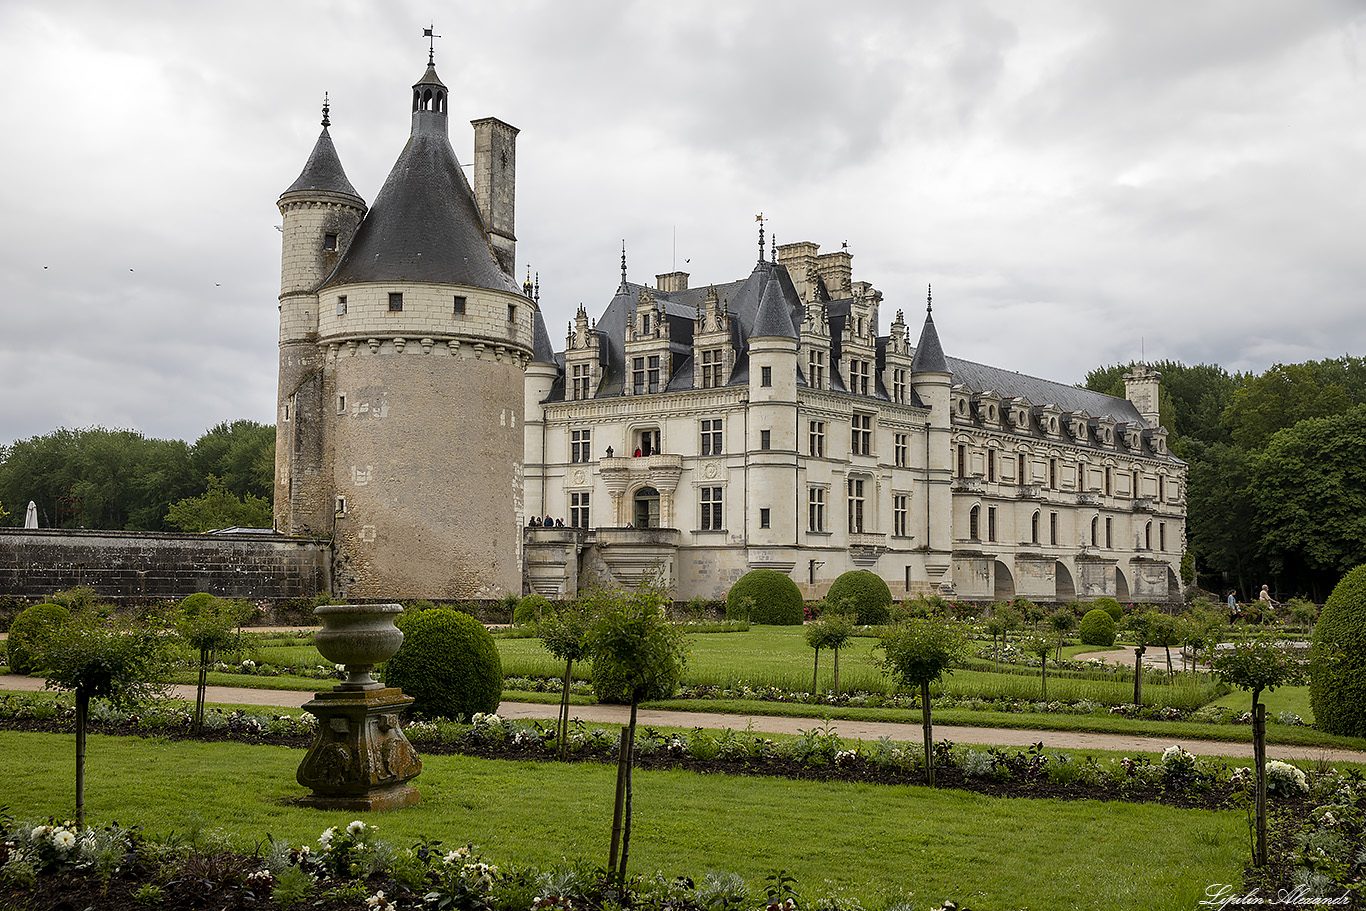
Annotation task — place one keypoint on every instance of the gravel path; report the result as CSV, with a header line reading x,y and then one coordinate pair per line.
x,y
860,730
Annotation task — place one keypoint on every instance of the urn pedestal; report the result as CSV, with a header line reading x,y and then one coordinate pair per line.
x,y
360,759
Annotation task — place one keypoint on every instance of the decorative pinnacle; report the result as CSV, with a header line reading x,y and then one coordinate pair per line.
x,y
327,121
760,219
929,298
773,247
623,262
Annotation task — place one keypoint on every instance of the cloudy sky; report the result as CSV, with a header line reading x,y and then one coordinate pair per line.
x,y
1082,182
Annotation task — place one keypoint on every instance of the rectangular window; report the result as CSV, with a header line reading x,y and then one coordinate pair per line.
x,y
512,313
330,243
903,449
341,404
1109,532
581,377
816,438
645,324
580,445
1052,528
815,509
341,305
395,301
815,369
341,506
711,437
459,309
765,517
962,461
647,441
578,510
712,366
638,375
900,514
991,523
765,439
991,465
652,373
711,509
1161,535
861,440
1053,474
765,376
1020,476
899,386
855,486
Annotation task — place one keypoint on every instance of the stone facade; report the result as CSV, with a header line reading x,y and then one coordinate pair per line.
x,y
34,563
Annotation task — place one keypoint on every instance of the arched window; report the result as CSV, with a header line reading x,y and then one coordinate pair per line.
x,y
647,508
1095,529
1148,536
1034,528
974,522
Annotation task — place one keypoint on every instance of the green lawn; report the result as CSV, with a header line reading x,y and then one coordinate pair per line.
x,y
882,844
1283,699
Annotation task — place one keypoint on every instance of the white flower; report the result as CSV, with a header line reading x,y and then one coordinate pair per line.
x,y
325,839
63,840
39,833
356,827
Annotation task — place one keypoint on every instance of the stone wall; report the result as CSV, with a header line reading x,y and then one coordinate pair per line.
x,y
119,564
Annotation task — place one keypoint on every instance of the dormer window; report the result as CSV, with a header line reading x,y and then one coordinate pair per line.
x,y
645,324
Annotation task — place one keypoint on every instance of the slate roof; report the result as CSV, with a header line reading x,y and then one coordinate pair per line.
x,y
1008,383
542,352
323,172
929,354
424,225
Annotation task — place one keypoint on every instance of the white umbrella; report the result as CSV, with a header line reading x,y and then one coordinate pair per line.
x,y
31,515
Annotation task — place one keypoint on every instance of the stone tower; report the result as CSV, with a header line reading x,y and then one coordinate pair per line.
x,y
415,336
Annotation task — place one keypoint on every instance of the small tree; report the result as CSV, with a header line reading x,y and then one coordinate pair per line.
x,y
831,630
564,633
1011,617
636,644
1256,665
919,653
207,624
1062,621
1163,631
1030,612
95,656
1040,646
995,626
1140,626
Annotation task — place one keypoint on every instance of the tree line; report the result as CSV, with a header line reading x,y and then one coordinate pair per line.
x,y
119,479
1277,482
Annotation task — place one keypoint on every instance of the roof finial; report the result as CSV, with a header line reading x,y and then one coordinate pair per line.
x,y
760,219
773,247
623,262
430,34
327,121
526,285
929,298
537,295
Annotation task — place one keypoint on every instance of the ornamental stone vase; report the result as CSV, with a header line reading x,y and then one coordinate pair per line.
x,y
360,759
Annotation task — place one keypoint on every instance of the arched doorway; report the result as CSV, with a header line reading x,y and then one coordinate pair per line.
x,y
646,508
1064,588
1121,585
1005,582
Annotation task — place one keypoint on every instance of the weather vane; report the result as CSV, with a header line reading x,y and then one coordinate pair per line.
x,y
430,34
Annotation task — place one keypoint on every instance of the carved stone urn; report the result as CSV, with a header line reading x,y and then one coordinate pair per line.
x,y
360,759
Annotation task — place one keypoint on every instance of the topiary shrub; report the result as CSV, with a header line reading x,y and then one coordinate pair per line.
x,y
530,610
777,600
28,630
1110,606
1097,628
1337,659
871,597
448,663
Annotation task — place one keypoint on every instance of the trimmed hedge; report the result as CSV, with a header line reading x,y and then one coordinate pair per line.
x,y
777,600
1337,659
870,594
530,610
1097,628
27,631
448,663
1111,607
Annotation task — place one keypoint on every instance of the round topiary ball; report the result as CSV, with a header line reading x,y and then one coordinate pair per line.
x,y
448,663
777,600
27,631
1097,628
530,610
1111,607
871,596
1337,659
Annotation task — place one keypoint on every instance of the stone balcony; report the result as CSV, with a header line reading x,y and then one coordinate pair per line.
x,y
1029,492
1145,504
967,485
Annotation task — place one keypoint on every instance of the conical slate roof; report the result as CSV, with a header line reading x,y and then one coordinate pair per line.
x,y
323,172
424,225
929,354
774,319
543,352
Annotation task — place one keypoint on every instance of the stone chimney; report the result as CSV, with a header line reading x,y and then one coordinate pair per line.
x,y
1141,386
672,281
495,184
